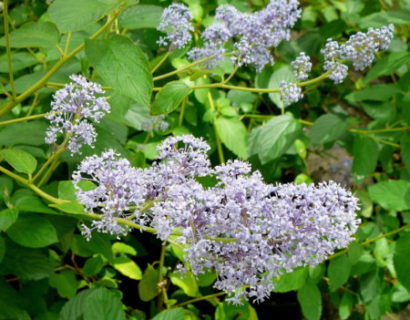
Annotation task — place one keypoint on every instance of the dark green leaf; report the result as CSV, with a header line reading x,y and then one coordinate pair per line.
x,y
327,128
172,314
391,194
140,16
2,248
34,35
402,261
371,285
338,271
148,286
365,155
233,134
74,308
122,65
170,97
20,160
33,231
405,150
274,138
74,15
311,301
7,218
388,65
103,304
93,265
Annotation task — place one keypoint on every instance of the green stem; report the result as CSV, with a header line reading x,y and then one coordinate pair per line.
x,y
218,140
155,68
6,108
210,296
30,185
67,43
161,278
8,48
37,116
60,85
182,112
383,130
370,241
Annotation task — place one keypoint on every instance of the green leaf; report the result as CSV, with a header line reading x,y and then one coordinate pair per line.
x,y
233,134
338,271
103,304
405,150
377,92
93,265
148,286
65,282
186,282
228,311
371,284
274,138
172,314
122,65
170,97
388,65
120,247
346,305
7,218
75,15
20,160
67,191
327,128
391,194
401,260
34,35
28,133
33,231
282,74
20,60
291,281
365,155
127,267
311,301
140,16
74,308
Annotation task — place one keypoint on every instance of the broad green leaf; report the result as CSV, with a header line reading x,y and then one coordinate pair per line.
x,y
20,160
140,16
99,243
127,267
371,284
186,282
148,286
34,35
387,65
391,194
282,74
33,231
310,301
93,265
20,60
233,134
172,314
401,260
228,311
170,97
405,150
6,187
74,15
122,65
65,282
291,281
74,308
327,128
274,138
103,304
384,18
346,305
338,271
29,133
66,189
7,218
377,92
365,155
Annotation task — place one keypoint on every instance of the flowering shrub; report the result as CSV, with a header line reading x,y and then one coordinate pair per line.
x,y
195,153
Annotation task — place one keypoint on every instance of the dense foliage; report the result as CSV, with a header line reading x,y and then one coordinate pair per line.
x,y
153,154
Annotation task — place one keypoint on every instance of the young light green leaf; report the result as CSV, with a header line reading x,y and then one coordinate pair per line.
x,y
233,134
186,282
274,138
391,194
127,267
20,160
140,16
34,35
170,97
327,128
311,301
148,286
33,231
122,65
75,15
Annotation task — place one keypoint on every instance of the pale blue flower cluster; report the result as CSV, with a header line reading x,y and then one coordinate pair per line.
x,y
290,92
74,109
302,66
244,229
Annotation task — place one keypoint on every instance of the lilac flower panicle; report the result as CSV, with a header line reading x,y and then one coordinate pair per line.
x,y
302,66
175,22
244,229
290,92
74,109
